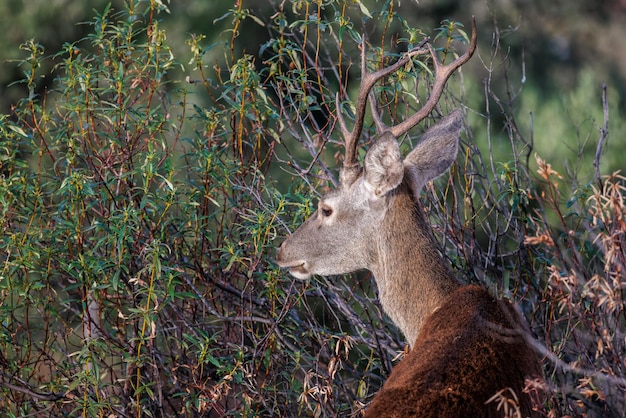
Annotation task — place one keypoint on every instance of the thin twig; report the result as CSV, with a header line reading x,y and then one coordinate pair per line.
x,y
604,132
568,368
26,389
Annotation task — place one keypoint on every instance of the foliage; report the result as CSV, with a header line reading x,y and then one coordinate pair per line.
x,y
138,226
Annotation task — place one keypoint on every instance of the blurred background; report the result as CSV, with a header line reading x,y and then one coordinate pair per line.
x,y
558,54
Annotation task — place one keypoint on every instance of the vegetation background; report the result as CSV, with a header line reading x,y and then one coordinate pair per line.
x,y
153,154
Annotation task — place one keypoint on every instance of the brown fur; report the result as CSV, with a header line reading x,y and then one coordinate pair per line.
x,y
468,350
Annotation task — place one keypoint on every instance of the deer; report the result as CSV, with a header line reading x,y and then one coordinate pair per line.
x,y
466,346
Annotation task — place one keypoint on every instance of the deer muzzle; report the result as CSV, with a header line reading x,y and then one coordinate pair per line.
x,y
297,268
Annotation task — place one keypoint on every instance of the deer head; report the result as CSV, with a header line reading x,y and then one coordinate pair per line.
x,y
337,238
372,220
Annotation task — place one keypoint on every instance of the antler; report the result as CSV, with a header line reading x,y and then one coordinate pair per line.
x,y
442,73
350,167
351,138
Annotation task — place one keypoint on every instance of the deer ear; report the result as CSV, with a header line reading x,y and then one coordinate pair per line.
x,y
383,165
436,151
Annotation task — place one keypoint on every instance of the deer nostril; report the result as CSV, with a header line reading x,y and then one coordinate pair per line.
x,y
279,253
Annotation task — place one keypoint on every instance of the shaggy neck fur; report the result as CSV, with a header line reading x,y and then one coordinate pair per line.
x,y
413,278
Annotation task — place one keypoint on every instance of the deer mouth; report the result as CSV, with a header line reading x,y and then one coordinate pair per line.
x,y
297,269
300,272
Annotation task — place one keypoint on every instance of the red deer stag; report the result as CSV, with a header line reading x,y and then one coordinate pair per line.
x,y
466,345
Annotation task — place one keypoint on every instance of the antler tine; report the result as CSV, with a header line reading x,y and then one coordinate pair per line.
x,y
442,73
351,138
368,80
378,120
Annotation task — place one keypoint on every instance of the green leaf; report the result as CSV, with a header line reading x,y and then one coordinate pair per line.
x,y
364,9
18,130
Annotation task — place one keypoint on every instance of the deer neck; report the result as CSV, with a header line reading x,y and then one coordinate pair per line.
x,y
413,278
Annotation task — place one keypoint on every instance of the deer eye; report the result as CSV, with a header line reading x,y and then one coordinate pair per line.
x,y
326,211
